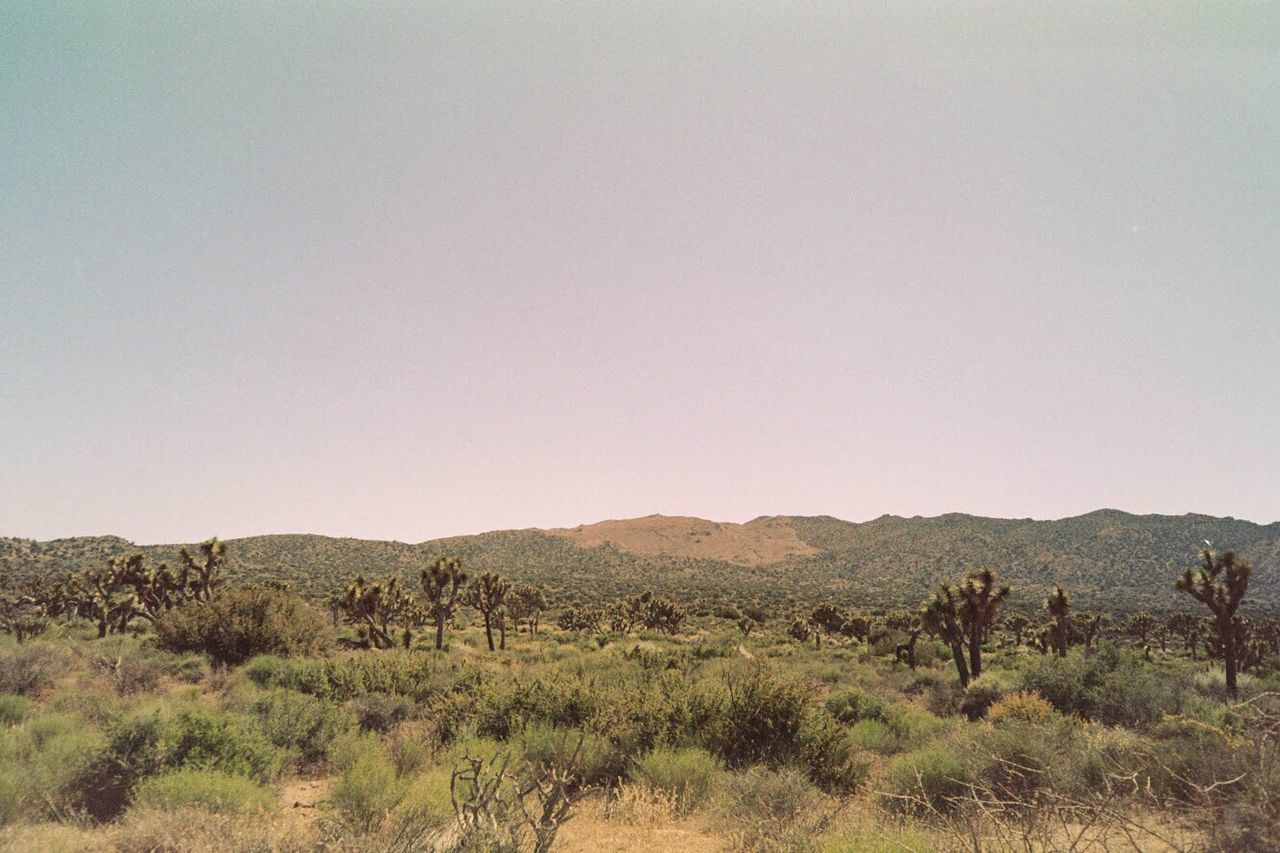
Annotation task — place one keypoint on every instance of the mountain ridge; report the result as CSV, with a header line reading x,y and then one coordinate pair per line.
x,y
1105,557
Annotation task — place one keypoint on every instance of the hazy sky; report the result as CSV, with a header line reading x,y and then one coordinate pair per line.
x,y
407,270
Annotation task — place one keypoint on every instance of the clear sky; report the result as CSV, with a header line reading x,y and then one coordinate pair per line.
x,y
405,270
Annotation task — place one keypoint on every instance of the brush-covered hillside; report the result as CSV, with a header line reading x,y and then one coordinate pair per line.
x,y
1107,559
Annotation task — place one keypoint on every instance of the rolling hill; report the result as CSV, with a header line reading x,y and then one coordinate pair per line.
x,y
1108,559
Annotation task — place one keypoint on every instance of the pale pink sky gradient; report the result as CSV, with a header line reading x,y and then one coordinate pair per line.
x,y
411,270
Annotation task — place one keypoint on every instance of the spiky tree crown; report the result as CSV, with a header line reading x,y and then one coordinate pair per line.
x,y
1219,582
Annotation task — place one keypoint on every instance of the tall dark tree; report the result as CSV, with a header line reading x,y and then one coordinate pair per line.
x,y
980,601
525,604
941,618
381,611
441,582
488,593
1219,583
1017,623
202,577
1058,604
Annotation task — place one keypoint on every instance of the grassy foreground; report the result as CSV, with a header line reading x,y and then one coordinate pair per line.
x,y
703,741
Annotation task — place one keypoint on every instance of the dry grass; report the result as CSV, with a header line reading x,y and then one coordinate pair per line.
x,y
636,818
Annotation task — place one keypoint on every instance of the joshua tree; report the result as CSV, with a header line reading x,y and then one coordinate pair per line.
x,y
1089,626
745,625
441,582
1141,625
22,612
487,594
800,629
659,614
940,618
1219,583
856,627
826,619
906,652
980,600
200,578
526,603
578,620
1187,627
1017,623
1059,606
377,608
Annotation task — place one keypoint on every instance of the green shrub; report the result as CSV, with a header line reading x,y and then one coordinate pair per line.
x,y
299,723
129,667
151,742
1022,707
245,621
929,777
598,761
28,668
13,709
381,712
419,675
426,800
870,734
1119,689
368,789
828,753
758,718
688,774
852,705
42,766
210,790
773,809
979,696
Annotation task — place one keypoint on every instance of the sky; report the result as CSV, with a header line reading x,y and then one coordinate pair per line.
x,y
409,270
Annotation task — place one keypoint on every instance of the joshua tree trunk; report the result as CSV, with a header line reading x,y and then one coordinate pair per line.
x,y
488,630
957,652
975,652
1229,656
439,631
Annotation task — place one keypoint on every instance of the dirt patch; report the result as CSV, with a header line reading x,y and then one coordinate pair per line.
x,y
300,800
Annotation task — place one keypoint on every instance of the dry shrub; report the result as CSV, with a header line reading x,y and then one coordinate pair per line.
x,y
1025,706
193,830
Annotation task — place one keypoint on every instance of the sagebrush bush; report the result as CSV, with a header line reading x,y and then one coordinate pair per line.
x,y
688,774
1024,706
242,622
773,809
301,724
758,718
381,712
933,776
43,763
853,705
1108,686
209,790
829,754
13,709
28,668
598,762
368,788
979,696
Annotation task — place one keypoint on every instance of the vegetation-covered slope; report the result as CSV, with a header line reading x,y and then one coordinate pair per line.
x,y
1108,559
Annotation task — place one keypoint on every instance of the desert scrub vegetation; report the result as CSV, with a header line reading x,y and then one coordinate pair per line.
x,y
1068,730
